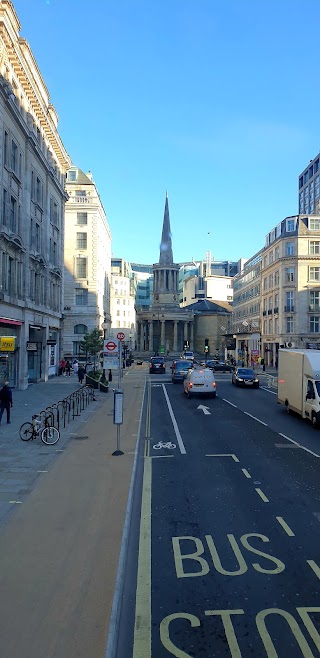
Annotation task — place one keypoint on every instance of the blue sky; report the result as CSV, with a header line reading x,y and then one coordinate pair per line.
x,y
216,102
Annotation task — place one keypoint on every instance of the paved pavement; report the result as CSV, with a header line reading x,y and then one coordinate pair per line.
x,y
59,548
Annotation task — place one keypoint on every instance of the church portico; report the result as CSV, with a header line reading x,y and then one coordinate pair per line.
x,y
164,334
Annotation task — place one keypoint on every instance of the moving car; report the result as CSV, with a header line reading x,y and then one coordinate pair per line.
x,y
245,377
157,364
180,369
222,366
188,355
200,382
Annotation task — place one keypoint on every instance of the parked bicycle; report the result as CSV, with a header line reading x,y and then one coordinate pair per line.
x,y
39,425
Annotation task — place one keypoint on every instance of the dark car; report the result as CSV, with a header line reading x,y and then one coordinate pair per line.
x,y
222,366
245,377
180,369
157,364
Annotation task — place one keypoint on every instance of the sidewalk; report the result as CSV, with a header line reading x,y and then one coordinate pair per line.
x,y
60,547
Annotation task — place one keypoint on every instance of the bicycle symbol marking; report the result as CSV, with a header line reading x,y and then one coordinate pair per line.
x,y
168,445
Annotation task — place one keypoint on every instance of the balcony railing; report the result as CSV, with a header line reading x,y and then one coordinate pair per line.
x,y
276,309
269,311
289,308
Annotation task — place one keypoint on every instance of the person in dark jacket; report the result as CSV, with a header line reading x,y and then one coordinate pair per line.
x,y
5,401
81,374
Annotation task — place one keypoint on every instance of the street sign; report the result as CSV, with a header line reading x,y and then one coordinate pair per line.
x,y
110,362
120,335
110,346
118,406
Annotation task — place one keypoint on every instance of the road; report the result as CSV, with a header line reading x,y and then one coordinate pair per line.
x,y
225,557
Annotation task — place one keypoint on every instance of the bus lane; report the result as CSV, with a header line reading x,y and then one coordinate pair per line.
x,y
225,567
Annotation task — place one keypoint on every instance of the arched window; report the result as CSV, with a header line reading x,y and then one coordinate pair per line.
x,y
80,329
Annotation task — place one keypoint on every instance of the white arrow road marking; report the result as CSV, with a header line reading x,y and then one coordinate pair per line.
x,y
204,409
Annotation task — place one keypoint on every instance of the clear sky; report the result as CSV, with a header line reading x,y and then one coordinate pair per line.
x,y
215,101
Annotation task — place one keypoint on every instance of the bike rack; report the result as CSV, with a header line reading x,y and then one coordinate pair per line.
x,y
73,404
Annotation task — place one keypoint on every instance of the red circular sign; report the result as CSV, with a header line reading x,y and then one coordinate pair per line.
x,y
120,335
111,345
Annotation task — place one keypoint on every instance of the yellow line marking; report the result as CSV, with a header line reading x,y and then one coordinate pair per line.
x,y
142,627
285,526
314,567
262,495
246,473
160,456
225,455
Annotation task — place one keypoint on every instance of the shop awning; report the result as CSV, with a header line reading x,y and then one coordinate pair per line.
x,y
8,321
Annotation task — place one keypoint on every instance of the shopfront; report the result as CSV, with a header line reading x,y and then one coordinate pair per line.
x,y
9,350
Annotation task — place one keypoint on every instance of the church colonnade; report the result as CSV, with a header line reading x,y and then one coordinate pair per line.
x,y
169,333
166,279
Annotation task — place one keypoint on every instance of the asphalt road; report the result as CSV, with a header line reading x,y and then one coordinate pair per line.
x,y
225,559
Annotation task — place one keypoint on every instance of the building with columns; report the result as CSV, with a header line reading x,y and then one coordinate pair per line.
x,y
165,327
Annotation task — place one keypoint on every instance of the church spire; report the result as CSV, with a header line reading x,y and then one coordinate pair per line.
x,y
166,255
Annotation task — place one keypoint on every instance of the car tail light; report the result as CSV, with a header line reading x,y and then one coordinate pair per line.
x,y
214,384
190,385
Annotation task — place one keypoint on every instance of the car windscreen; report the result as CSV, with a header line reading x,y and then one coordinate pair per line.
x,y
156,360
245,372
183,365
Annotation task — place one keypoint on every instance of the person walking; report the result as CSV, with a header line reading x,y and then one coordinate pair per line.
x,y
68,368
5,401
81,374
75,367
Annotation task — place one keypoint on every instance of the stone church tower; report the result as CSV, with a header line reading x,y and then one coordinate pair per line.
x,y
166,273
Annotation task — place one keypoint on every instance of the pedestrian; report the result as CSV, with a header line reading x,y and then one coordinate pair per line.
x,y
81,374
5,401
75,366
68,368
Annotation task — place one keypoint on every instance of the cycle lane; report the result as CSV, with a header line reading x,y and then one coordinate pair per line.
x,y
231,571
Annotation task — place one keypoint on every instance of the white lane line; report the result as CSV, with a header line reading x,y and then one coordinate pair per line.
x,y
255,418
246,473
262,496
314,567
160,456
268,390
299,445
231,404
285,526
174,423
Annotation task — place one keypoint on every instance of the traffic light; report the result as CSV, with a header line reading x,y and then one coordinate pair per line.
x,y
206,342
186,345
206,349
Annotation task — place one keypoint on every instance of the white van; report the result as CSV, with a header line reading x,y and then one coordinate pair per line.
x,y
200,382
299,383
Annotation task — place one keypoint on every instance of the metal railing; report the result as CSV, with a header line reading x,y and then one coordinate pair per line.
x,y
64,411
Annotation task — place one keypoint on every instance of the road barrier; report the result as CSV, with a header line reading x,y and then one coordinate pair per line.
x,y
64,411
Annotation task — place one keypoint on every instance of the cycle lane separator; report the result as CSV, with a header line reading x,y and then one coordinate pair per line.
x,y
112,635
174,422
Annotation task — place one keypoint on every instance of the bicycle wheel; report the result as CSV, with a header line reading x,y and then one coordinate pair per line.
x,y
26,431
50,435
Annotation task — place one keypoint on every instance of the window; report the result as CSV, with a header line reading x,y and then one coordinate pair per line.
x,y
14,156
5,148
81,267
276,253
80,329
314,273
314,301
289,275
81,240
80,193
37,240
118,301
289,302
276,278
265,283
314,324
81,296
82,218
314,224
270,302
118,313
13,214
291,225
289,324
270,281
270,326
5,207
38,191
54,214
314,247
271,257
72,175
289,249
276,303
265,261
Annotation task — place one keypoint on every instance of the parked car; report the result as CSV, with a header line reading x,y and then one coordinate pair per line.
x,y
157,364
200,382
222,366
180,369
245,377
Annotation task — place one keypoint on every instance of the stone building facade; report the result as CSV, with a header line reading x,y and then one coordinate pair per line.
x,y
33,164
87,262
